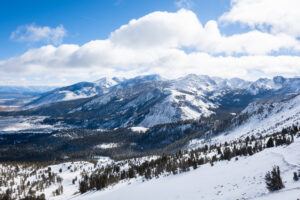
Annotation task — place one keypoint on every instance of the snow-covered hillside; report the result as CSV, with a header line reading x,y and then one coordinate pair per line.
x,y
240,178
87,89
150,100
266,117
235,179
259,119
76,91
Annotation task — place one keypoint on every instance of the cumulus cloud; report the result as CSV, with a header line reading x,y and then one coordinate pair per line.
x,y
183,29
281,16
32,33
159,29
171,44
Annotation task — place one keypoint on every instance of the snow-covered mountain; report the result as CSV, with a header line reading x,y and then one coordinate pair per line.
x,y
150,100
278,84
77,91
88,89
267,117
260,118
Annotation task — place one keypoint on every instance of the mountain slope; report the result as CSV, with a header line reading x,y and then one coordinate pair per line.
x,y
150,100
76,91
235,179
87,89
147,103
267,117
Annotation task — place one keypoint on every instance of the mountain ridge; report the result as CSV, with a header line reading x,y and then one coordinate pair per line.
x,y
150,100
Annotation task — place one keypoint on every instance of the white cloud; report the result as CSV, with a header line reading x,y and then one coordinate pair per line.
x,y
183,29
159,29
32,33
253,42
188,4
154,44
281,16
70,63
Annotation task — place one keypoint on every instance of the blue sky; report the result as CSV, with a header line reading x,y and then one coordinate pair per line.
x,y
60,42
86,20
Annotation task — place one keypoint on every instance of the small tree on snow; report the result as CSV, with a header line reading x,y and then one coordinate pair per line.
x,y
296,178
273,179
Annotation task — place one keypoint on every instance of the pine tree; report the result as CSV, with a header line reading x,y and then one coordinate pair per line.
x,y
83,187
131,173
270,143
273,179
296,178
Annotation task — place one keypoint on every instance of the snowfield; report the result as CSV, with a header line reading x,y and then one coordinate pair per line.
x,y
235,179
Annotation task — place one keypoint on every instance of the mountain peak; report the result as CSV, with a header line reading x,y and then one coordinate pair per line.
x,y
279,79
108,81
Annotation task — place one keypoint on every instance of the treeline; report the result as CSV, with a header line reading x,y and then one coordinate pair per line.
x,y
183,161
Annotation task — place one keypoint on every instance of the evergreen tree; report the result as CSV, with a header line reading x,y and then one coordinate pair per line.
x,y
273,179
296,178
131,173
270,143
83,187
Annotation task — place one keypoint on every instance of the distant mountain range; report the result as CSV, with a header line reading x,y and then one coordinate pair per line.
x,y
150,100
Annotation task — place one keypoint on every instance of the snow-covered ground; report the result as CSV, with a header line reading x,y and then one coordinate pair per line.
x,y
139,129
107,146
235,179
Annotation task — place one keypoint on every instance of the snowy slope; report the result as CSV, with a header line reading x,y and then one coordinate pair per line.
x,y
278,83
234,179
178,106
267,117
241,179
149,103
88,89
259,118
76,91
